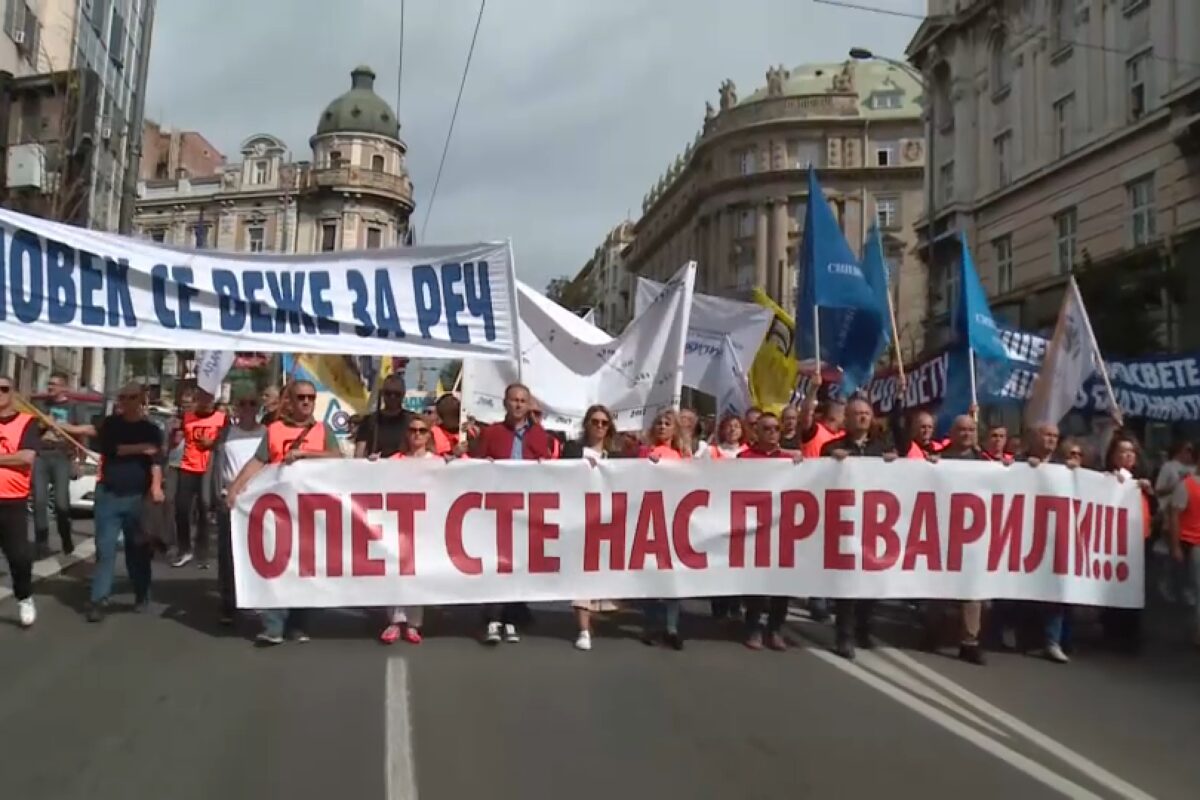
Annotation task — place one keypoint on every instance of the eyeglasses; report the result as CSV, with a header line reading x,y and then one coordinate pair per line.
x,y
305,397
599,422
5,389
392,393
417,431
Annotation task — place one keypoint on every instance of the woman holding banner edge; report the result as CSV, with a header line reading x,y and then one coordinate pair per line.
x,y
664,443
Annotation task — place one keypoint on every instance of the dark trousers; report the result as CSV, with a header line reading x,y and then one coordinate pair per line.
x,y
52,471
14,542
853,617
225,562
775,608
188,494
506,613
116,515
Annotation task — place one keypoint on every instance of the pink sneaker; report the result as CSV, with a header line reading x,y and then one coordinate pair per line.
x,y
390,634
412,635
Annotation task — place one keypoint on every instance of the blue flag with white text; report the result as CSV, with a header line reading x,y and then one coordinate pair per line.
x,y
875,268
832,280
973,324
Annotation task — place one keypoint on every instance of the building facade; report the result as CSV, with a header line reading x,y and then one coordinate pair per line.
x,y
1067,138
609,285
72,86
170,153
735,199
354,193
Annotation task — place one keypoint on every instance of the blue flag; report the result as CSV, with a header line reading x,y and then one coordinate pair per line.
x,y
831,279
875,268
973,324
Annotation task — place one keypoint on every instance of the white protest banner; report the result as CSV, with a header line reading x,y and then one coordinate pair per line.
x,y
211,368
713,319
72,287
733,395
360,533
569,365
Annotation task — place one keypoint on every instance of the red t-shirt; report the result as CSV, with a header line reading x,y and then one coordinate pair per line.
x,y
755,453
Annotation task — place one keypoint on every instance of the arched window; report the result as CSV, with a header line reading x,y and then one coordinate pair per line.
x,y
377,163
1062,22
943,107
1001,63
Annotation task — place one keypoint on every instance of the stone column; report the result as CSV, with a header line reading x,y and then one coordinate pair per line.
x,y
761,239
722,228
778,246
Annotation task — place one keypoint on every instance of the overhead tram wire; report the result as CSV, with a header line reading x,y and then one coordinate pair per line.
x,y
890,12
454,116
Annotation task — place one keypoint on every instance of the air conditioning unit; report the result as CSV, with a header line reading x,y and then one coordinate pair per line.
x,y
18,37
26,166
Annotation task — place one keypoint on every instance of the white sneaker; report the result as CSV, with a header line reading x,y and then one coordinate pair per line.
x,y
584,642
183,560
493,633
1055,653
26,612
510,633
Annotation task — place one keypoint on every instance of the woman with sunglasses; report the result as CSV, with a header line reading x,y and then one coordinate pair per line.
x,y
296,435
597,442
664,443
235,446
406,622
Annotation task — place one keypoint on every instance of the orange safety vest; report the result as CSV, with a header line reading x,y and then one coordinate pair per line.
x,y
555,447
822,437
716,453
1189,515
916,451
14,481
664,452
444,441
282,436
196,428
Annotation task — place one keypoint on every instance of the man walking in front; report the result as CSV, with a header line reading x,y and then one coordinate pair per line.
x,y
18,449
519,438
52,470
201,427
130,470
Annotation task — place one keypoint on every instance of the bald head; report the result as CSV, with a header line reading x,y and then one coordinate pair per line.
x,y
964,432
1045,441
922,428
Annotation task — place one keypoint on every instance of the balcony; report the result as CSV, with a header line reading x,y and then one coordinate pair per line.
x,y
397,187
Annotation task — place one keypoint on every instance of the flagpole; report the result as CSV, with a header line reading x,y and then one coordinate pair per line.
x,y
971,363
895,336
817,339
1114,406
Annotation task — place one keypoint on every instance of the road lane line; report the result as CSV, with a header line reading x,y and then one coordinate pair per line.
x,y
1060,751
986,743
401,777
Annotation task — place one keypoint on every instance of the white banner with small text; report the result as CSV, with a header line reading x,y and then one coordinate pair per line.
x,y
359,533
66,286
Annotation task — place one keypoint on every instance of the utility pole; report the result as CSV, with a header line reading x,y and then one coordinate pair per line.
x,y
114,358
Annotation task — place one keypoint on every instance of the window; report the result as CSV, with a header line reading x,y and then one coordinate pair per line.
x,y
1001,66
158,235
1064,125
1137,77
335,158
377,163
950,286
946,182
1065,225
885,154
200,234
258,173
1002,149
943,104
745,224
746,161
887,213
329,237
1002,249
254,239
1062,23
374,238
885,100
804,152
1141,206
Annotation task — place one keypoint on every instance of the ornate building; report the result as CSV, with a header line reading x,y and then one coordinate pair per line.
x,y
355,193
605,284
735,199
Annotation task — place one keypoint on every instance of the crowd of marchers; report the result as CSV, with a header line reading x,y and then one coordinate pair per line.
x,y
161,491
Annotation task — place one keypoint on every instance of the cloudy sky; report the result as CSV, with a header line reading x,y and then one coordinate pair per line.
x,y
572,110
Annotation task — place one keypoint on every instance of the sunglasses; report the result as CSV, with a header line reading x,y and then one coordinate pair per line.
x,y
599,422
391,393
416,431
305,397
5,389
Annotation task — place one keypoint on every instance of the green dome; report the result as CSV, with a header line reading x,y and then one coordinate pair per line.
x,y
360,110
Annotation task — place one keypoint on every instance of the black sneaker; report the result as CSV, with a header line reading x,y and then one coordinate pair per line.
x,y
674,641
972,654
226,619
844,648
95,613
41,551
141,605
68,548
863,639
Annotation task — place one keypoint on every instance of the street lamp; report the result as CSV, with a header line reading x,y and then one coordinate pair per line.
x,y
863,54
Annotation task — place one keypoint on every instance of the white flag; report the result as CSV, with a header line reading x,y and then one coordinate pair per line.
x,y
733,396
211,368
569,365
1071,359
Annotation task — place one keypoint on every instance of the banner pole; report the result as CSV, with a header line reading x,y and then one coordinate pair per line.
x,y
1114,406
895,336
971,363
817,339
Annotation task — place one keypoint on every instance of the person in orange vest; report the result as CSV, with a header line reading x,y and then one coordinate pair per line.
x,y
1123,626
201,428
19,443
554,438
1184,528
822,417
449,437
664,443
749,423
294,436
131,453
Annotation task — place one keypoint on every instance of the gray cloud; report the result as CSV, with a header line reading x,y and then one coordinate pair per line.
x,y
572,109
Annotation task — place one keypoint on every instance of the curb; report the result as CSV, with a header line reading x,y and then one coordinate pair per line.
x,y
55,565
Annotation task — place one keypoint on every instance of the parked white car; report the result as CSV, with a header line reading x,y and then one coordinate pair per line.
x,y
83,489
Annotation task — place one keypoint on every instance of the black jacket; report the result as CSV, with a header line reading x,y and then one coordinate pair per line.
x,y
874,446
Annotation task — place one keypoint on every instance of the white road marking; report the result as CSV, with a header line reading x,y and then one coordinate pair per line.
x,y
401,777
1055,748
1005,753
49,567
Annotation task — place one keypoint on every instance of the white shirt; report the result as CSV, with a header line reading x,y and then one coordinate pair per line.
x,y
239,447
593,453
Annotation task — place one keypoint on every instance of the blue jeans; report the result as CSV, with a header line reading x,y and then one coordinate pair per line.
x,y
277,621
1055,623
114,515
663,615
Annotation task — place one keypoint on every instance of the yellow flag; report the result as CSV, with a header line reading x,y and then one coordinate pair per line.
x,y
774,371
439,390
387,366
339,376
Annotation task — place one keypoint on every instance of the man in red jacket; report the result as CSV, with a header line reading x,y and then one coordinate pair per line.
x,y
520,438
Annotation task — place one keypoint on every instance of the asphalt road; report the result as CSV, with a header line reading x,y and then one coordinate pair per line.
x,y
169,705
